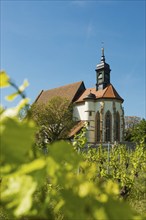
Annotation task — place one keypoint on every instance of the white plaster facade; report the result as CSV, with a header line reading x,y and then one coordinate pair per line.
x,y
87,111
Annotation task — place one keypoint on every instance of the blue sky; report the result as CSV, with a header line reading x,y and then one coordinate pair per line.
x,y
53,43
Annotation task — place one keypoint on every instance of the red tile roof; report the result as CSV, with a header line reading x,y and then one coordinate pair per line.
x,y
76,92
108,93
68,91
76,129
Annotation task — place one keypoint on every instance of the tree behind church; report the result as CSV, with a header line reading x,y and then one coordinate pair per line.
x,y
54,120
135,129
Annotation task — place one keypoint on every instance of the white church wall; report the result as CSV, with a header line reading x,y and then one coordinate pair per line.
x,y
97,106
90,112
87,111
79,112
107,105
90,105
119,108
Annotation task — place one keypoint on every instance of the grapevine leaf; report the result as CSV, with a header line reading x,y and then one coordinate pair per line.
x,y
117,206
4,79
17,193
63,152
24,85
31,167
12,112
36,168
16,140
12,96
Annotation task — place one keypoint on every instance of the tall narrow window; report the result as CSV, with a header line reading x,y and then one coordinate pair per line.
x,y
98,127
108,123
117,123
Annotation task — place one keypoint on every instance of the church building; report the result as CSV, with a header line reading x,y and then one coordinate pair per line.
x,y
100,107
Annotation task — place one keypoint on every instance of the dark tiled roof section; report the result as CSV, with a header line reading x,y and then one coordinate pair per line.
x,y
108,93
71,92
76,129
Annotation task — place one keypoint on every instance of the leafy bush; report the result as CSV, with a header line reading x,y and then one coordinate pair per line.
x,y
54,120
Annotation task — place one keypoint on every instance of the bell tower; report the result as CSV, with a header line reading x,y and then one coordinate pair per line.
x,y
102,73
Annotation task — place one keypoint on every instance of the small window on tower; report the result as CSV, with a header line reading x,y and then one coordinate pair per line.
x,y
100,76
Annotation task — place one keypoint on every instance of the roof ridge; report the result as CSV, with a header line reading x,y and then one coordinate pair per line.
x,y
38,96
115,91
106,88
64,86
112,87
70,91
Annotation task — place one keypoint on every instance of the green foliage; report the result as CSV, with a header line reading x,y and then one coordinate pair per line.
x,y
128,134
60,185
80,139
136,133
14,132
77,197
54,120
4,79
20,90
139,132
120,164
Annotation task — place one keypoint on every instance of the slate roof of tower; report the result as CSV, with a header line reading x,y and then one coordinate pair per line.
x,y
70,92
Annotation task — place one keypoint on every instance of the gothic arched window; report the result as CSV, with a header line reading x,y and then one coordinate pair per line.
x,y
117,123
108,126
98,127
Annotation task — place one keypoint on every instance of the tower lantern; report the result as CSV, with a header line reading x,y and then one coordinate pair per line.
x,y
102,73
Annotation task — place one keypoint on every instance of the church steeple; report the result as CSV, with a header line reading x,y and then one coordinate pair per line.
x,y
102,73
102,55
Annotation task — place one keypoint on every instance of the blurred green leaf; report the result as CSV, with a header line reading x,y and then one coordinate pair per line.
x,y
12,96
4,79
24,85
13,112
113,210
37,164
16,140
63,152
17,192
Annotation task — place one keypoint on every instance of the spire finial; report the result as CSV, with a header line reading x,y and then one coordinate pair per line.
x,y
102,53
